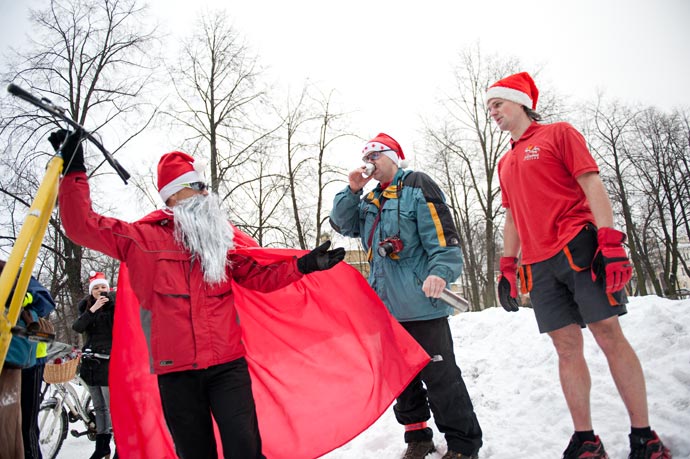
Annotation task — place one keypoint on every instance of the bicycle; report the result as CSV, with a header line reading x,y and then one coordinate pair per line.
x,y
65,405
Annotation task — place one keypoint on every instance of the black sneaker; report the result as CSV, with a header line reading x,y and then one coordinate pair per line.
x,y
648,448
419,449
586,450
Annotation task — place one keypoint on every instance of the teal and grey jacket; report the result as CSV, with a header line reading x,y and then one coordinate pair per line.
x,y
413,207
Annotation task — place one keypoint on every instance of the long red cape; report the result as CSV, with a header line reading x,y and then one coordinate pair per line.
x,y
325,356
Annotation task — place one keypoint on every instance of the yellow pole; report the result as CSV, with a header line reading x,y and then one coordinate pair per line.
x,y
26,248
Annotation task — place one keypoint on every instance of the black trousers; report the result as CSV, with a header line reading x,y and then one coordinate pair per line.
x,y
190,397
31,392
445,393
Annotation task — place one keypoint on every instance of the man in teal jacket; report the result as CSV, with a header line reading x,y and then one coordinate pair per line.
x,y
413,251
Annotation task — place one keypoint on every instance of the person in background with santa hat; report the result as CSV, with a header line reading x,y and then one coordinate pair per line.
x,y
414,252
182,265
559,220
95,321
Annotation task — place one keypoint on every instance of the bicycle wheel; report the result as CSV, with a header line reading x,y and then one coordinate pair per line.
x,y
52,429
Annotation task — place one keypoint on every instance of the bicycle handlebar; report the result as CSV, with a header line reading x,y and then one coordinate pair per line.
x,y
54,110
88,353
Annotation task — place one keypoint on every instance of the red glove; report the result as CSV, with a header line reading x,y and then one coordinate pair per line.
x,y
507,284
610,260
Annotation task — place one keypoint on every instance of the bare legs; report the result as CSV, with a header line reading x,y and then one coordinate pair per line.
x,y
623,364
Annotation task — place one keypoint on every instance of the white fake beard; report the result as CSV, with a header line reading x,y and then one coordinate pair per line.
x,y
202,228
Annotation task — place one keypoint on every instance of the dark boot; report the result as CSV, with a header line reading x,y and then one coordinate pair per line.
x,y
419,449
102,447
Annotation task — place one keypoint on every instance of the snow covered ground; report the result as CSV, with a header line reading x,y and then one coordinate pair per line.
x,y
512,376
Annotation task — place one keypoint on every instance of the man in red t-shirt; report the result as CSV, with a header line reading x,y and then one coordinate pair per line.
x,y
560,221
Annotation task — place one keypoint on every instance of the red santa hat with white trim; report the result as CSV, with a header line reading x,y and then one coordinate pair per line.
x,y
518,88
97,278
388,146
176,169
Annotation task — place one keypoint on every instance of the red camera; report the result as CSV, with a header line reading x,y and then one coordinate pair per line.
x,y
390,245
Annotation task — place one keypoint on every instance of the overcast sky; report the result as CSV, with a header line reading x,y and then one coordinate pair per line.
x,y
389,59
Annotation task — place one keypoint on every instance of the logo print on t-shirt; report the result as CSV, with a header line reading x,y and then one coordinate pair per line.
x,y
531,153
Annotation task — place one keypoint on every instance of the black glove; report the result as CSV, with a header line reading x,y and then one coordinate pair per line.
x,y
320,258
507,284
69,145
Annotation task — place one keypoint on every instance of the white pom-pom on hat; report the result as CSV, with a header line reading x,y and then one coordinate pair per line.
x,y
200,166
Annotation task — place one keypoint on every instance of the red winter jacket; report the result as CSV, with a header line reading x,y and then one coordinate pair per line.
x,y
192,325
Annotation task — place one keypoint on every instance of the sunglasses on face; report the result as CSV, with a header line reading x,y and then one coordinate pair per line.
x,y
196,186
374,155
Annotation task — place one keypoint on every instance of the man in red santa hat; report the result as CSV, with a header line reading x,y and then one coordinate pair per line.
x,y
182,263
414,252
559,220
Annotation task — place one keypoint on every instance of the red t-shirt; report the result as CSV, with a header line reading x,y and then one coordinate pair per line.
x,y
538,184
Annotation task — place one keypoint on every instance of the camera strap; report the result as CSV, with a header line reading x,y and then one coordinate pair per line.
x,y
382,201
376,221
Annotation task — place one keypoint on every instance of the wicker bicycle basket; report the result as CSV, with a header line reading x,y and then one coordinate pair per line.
x,y
61,372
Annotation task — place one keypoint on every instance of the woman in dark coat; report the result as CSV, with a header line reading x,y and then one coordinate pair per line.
x,y
96,317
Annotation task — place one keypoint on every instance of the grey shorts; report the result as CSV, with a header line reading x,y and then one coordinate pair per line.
x,y
562,291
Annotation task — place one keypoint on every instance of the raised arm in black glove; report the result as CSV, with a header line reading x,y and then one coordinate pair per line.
x,y
68,143
320,258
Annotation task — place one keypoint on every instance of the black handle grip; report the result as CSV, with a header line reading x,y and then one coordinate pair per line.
x,y
21,93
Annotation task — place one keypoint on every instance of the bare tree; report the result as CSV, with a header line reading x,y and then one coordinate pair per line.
x,y
88,56
215,80
660,160
330,132
681,150
467,220
298,115
311,129
469,137
263,212
608,134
